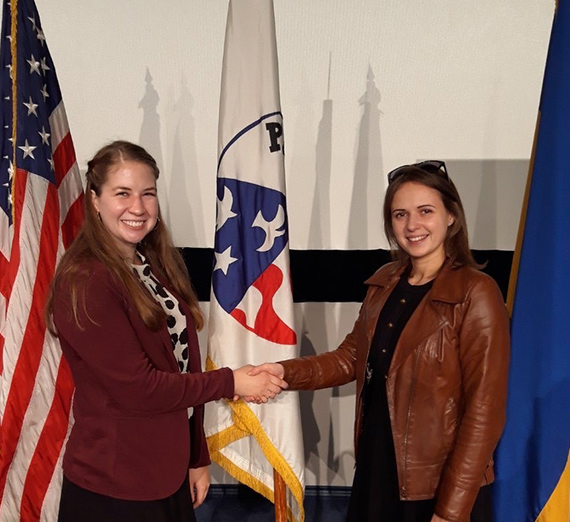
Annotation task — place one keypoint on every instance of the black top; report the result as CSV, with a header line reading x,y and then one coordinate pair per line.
x,y
375,491
397,311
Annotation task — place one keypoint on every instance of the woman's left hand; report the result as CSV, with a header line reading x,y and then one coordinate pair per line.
x,y
435,518
199,484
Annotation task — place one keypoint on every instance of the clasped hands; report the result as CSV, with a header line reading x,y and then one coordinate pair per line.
x,y
258,384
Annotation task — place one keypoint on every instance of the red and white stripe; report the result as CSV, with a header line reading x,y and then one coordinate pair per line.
x,y
36,388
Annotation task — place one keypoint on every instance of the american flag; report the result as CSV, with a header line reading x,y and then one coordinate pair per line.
x,y
40,212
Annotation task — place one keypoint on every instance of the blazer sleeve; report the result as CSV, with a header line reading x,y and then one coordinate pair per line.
x,y
106,343
484,358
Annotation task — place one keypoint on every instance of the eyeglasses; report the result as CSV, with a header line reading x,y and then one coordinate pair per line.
x,y
431,167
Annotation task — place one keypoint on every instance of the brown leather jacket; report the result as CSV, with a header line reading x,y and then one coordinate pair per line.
x,y
446,386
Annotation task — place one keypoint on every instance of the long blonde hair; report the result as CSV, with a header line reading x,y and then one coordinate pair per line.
x,y
95,242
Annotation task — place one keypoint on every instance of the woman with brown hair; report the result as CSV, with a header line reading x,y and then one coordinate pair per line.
x,y
126,316
429,353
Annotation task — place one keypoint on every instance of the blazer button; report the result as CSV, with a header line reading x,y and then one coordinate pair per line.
x,y
403,301
390,325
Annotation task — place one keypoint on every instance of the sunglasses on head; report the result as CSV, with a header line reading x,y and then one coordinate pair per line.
x,y
431,167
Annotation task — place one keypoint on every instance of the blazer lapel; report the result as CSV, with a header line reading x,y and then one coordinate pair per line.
x,y
167,345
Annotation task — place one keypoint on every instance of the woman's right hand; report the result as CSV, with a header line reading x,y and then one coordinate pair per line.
x,y
253,381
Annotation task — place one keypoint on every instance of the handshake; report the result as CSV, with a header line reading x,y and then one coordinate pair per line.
x,y
258,384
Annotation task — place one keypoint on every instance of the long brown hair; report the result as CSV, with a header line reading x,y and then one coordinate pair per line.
x,y
95,242
456,243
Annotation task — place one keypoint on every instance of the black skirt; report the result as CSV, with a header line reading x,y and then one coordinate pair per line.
x,y
80,504
375,491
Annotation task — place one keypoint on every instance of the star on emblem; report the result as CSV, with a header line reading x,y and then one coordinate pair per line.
x,y
33,20
44,136
224,260
28,150
44,92
34,65
273,229
31,107
224,207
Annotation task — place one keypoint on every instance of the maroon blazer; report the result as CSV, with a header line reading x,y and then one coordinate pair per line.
x,y
131,438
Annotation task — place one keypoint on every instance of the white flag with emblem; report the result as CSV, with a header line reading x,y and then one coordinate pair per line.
x,y
251,307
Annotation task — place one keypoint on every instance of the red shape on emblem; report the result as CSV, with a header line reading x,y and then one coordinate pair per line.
x,y
268,325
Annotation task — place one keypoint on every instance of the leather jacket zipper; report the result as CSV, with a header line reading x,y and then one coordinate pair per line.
x,y
439,357
418,353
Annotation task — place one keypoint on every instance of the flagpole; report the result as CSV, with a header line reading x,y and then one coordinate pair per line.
x,y
252,316
14,78
518,246
280,497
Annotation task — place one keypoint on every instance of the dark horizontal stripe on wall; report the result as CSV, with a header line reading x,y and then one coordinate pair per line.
x,y
199,262
499,264
335,276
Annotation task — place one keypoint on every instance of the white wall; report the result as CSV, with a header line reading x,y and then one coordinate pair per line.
x,y
452,79
403,80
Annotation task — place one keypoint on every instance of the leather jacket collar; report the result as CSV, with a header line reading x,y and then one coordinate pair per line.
x,y
449,285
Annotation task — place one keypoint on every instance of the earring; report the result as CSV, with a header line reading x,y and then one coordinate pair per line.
x,y
451,221
99,216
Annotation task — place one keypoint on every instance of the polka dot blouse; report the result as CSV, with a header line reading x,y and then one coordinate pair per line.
x,y
175,319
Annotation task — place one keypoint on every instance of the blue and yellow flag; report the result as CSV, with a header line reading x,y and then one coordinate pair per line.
x,y
532,459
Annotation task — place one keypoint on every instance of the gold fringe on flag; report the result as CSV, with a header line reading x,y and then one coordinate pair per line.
x,y
245,424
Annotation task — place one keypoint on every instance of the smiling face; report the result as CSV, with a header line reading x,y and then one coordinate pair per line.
x,y
128,205
420,222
